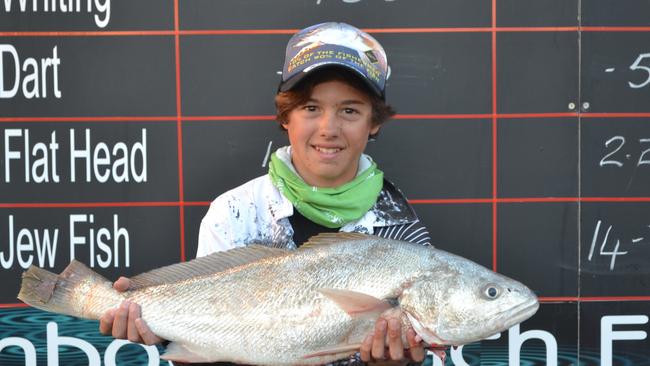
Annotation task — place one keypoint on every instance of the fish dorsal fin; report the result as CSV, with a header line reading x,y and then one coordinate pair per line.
x,y
202,266
331,238
356,304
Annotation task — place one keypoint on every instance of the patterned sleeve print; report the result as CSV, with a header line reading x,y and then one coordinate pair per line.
x,y
414,232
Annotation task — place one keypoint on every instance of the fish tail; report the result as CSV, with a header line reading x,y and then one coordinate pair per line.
x,y
78,291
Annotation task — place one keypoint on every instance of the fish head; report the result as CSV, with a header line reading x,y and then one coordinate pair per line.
x,y
464,303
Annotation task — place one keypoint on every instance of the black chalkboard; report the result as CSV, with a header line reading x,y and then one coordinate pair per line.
x,y
522,139
297,14
538,157
615,13
537,71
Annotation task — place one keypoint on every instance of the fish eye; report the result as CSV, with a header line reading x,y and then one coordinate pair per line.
x,y
491,292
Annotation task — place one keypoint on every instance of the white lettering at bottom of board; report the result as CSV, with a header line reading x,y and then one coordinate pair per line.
x,y
609,340
54,341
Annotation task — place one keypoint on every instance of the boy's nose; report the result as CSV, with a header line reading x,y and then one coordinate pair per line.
x,y
329,124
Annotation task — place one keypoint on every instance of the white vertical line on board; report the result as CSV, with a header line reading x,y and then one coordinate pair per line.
x,y
268,153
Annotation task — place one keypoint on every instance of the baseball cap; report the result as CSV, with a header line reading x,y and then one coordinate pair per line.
x,y
335,44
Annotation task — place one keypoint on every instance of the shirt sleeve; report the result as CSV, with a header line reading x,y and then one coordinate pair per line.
x,y
216,228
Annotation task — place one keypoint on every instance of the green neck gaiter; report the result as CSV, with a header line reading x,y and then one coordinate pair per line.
x,y
329,207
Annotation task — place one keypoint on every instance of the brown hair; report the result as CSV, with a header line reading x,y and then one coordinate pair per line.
x,y
287,101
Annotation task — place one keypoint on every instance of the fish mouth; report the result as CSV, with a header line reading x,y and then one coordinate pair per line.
x,y
520,312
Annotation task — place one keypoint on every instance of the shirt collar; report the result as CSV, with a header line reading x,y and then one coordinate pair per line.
x,y
392,208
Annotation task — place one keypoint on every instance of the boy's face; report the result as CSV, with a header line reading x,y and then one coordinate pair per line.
x,y
329,133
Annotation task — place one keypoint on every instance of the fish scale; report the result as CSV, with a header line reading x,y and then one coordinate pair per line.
x,y
314,305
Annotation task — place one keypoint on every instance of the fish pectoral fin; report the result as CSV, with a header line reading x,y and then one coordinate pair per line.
x,y
356,303
340,349
178,352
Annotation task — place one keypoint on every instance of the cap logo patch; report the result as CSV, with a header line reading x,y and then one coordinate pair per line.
x,y
371,56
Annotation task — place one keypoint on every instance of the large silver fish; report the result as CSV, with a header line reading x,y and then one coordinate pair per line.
x,y
314,305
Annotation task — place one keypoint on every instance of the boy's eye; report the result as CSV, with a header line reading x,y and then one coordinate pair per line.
x,y
310,108
350,110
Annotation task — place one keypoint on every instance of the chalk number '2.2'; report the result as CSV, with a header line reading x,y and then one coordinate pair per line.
x,y
617,143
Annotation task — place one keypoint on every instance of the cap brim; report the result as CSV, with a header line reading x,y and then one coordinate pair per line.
x,y
295,79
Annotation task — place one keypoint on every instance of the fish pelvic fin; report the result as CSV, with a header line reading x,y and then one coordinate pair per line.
x,y
340,351
179,353
205,266
77,291
357,304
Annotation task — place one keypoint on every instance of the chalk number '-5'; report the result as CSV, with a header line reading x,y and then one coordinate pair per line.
x,y
636,66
